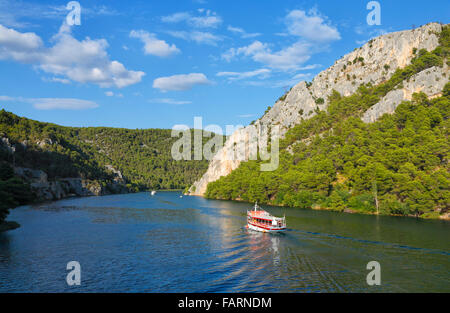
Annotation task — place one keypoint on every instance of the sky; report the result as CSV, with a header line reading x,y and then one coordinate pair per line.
x,y
156,64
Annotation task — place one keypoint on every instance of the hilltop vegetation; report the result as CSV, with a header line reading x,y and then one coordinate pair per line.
x,y
143,156
397,165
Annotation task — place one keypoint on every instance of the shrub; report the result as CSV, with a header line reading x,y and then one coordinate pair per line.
x,y
320,101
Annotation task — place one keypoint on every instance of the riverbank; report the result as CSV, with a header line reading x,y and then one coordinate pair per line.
x,y
11,225
428,216
8,225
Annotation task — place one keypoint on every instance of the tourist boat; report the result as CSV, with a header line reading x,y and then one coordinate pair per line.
x,y
260,220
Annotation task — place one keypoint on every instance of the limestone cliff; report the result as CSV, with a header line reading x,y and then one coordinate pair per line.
x,y
374,63
44,188
60,188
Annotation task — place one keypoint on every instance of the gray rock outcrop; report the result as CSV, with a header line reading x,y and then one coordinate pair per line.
x,y
66,187
430,81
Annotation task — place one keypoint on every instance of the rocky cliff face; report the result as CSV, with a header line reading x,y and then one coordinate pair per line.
x,y
374,63
66,187
430,81
56,189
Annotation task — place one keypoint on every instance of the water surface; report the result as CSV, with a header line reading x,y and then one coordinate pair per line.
x,y
164,243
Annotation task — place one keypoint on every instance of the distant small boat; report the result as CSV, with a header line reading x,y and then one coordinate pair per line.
x,y
260,220
153,192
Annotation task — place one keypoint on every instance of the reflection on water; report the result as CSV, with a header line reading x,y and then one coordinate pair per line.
x,y
164,243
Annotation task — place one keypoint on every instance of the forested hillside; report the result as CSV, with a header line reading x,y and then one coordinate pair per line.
x,y
396,165
140,158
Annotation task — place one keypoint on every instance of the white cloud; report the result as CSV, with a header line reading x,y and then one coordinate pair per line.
x,y
262,73
112,94
302,76
176,17
208,20
286,59
56,80
83,61
153,45
289,58
54,103
309,67
292,81
246,115
197,36
370,31
242,33
17,13
312,27
252,49
281,83
62,104
169,101
22,47
180,82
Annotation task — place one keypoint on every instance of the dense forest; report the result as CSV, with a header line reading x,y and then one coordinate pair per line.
x,y
397,165
143,156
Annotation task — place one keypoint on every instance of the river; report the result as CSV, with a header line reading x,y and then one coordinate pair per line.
x,y
168,243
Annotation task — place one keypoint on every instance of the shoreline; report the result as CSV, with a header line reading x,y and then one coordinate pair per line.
x,y
8,225
11,225
444,217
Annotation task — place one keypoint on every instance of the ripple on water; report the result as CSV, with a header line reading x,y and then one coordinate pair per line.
x,y
137,243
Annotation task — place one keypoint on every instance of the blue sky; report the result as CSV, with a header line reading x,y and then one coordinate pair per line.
x,y
154,64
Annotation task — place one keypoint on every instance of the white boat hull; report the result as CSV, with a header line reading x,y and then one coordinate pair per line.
x,y
265,229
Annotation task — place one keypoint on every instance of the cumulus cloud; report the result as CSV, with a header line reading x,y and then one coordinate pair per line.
x,y
209,19
252,49
153,45
22,47
312,32
262,73
180,82
289,58
196,26
85,61
197,36
285,59
312,27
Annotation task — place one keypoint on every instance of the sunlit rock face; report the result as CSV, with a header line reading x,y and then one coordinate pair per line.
x,y
430,81
375,62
